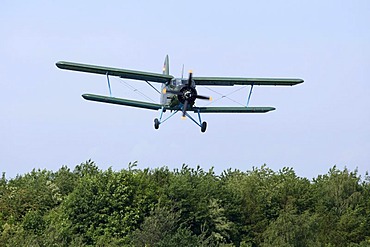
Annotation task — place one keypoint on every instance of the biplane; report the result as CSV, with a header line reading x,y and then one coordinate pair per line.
x,y
177,94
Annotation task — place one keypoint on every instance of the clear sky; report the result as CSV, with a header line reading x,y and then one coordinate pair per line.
x,y
44,122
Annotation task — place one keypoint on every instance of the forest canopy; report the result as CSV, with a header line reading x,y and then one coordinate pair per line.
x,y
87,206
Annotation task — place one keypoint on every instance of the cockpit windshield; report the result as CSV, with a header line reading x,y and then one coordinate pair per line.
x,y
178,82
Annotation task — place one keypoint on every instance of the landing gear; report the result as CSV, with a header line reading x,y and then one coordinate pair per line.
x,y
203,127
156,123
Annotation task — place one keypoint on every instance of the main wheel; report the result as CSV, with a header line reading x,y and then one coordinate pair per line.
x,y
156,123
204,127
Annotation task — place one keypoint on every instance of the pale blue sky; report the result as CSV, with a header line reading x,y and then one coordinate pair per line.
x,y
324,122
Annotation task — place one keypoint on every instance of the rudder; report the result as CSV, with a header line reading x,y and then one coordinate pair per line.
x,y
166,66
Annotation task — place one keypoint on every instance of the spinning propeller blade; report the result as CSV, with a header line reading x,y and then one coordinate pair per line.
x,y
190,78
204,97
185,107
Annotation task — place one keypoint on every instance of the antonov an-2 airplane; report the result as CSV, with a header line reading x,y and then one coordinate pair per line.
x,y
177,94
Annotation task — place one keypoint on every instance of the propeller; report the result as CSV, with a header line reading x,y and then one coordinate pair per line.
x,y
187,94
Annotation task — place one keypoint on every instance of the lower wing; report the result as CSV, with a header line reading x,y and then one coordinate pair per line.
x,y
233,109
154,106
119,101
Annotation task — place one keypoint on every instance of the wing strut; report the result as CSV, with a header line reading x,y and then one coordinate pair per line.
x,y
153,87
110,90
250,94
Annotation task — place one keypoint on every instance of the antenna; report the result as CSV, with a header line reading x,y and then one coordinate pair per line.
x,y
182,72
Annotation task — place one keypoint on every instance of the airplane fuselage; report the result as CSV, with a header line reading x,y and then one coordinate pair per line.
x,y
177,84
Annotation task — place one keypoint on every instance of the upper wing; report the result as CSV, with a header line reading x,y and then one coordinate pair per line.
x,y
123,73
231,81
233,109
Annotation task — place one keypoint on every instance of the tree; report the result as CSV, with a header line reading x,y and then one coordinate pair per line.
x,y
158,225
338,202
186,207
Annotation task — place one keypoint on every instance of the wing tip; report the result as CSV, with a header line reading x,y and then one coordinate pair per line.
x,y
59,64
85,96
299,81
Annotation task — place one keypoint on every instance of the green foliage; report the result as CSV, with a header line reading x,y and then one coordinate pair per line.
x,y
33,222
159,225
184,207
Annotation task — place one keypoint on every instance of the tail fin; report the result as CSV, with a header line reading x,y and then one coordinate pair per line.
x,y
166,66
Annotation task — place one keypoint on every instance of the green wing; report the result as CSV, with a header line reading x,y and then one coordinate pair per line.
x,y
119,101
123,73
153,106
233,109
231,81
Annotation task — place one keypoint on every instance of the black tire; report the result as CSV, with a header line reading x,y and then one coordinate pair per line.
x,y
156,123
204,127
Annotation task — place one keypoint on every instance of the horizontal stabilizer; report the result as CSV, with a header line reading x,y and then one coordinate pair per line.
x,y
123,73
233,109
119,101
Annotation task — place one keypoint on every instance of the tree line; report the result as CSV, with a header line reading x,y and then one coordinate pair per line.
x,y
87,206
